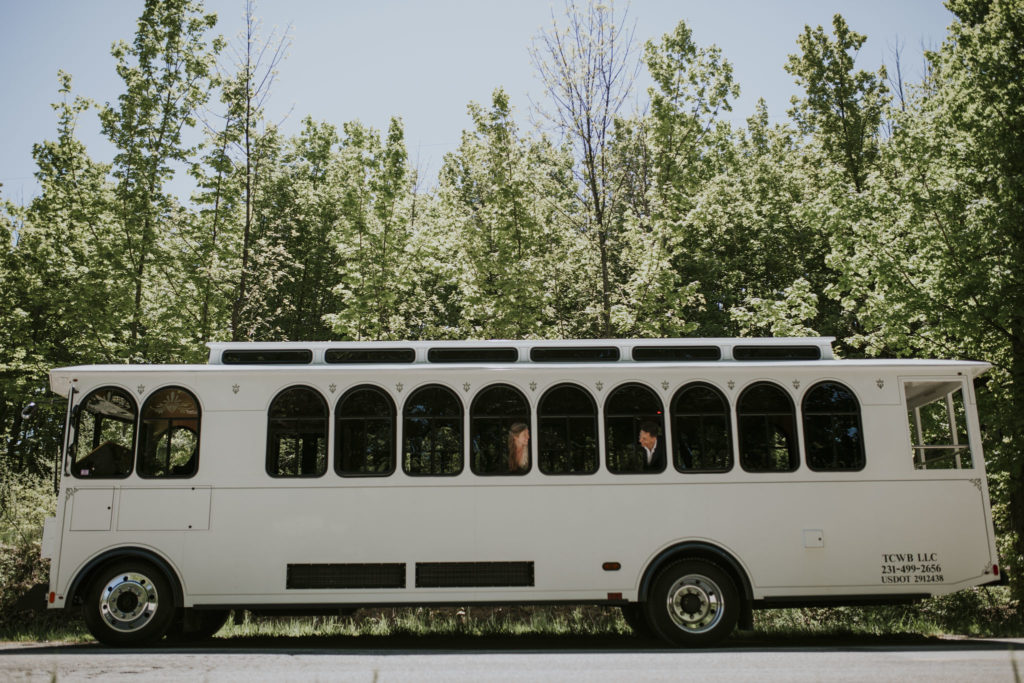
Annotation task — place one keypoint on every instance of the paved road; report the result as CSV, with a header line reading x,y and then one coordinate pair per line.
x,y
524,659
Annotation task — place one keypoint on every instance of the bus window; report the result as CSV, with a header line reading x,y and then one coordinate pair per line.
x,y
938,425
169,443
104,435
297,434
701,440
364,433
767,429
567,431
432,432
833,438
497,416
630,409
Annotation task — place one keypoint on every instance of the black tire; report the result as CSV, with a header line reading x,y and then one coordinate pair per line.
x,y
129,602
693,603
634,616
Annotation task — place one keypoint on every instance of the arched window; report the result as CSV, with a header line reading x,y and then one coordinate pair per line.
x,y
432,432
833,439
767,429
104,434
297,434
567,431
364,433
631,413
701,439
169,444
498,417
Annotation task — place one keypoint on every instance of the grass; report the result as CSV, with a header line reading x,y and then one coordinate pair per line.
x,y
983,612
431,622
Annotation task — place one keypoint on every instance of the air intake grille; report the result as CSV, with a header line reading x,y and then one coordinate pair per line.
x,y
473,574
346,576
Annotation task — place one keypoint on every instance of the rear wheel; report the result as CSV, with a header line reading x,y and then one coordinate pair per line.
x,y
129,602
693,603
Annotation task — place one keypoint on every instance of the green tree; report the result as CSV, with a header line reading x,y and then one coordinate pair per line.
x,y
377,212
55,278
294,272
167,72
685,145
588,69
841,107
938,268
504,195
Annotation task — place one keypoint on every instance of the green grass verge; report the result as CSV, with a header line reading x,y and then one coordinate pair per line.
x,y
983,612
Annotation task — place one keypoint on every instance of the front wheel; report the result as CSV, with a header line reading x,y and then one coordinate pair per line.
x,y
128,603
693,603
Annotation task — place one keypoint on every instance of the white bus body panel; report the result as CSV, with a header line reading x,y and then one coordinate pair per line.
x,y
230,532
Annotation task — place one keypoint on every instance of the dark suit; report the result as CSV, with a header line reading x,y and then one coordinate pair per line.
x,y
657,463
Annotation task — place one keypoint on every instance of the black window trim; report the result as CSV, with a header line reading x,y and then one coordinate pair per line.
x,y
437,354
714,353
529,425
246,356
400,447
408,356
604,427
199,432
760,353
731,427
328,418
598,424
568,350
797,428
79,407
860,427
333,428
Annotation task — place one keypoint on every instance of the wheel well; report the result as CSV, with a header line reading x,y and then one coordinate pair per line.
x,y
84,577
704,551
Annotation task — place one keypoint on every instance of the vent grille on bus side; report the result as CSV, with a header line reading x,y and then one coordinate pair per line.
x,y
370,356
473,574
267,357
676,353
473,355
346,576
776,353
574,354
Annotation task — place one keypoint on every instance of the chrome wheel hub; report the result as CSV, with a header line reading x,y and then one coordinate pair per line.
x,y
695,603
128,602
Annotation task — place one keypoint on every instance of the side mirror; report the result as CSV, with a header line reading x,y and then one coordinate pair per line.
x,y
28,413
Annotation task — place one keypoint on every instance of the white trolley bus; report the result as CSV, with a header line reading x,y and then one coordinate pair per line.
x,y
302,477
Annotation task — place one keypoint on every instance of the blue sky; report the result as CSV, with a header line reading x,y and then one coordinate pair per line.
x,y
423,61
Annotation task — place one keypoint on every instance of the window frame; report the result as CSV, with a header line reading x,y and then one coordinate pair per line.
x,y
860,426
327,432
730,437
794,448
198,432
461,430
597,428
472,430
79,409
663,437
970,442
337,417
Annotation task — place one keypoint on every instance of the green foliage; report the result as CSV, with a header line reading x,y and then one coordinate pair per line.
x,y
666,221
24,502
503,196
167,72
841,108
